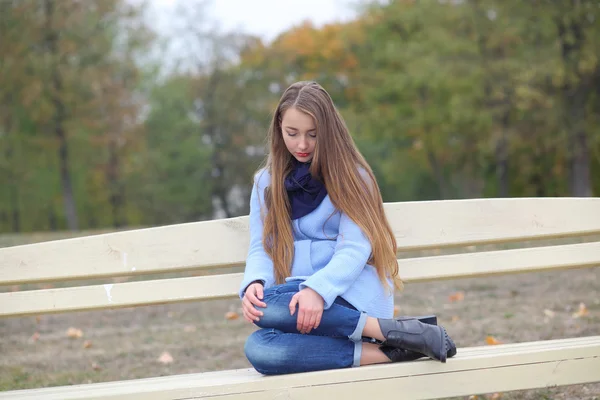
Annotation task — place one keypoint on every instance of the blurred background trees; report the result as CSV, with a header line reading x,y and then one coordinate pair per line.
x,y
446,99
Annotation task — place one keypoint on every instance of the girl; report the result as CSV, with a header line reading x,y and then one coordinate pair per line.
x,y
321,266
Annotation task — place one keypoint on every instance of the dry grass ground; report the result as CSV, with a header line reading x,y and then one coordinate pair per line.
x,y
126,344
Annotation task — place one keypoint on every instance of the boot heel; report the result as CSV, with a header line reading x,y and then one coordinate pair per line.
x,y
428,319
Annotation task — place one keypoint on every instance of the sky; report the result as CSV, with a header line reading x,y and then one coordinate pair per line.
x,y
264,18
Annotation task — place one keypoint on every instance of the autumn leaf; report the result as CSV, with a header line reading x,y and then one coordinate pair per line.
x,y
165,358
458,296
231,315
473,397
87,344
74,333
455,318
581,312
492,341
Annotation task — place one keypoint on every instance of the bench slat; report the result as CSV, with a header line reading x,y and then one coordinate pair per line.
x,y
222,286
474,370
221,243
486,263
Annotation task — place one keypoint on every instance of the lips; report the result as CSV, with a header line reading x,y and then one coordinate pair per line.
x,y
303,154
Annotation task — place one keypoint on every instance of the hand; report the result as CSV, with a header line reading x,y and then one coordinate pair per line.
x,y
310,309
253,297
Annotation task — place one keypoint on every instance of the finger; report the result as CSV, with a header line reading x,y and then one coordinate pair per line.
x,y
293,304
249,308
311,322
256,297
247,316
318,320
253,300
300,320
259,292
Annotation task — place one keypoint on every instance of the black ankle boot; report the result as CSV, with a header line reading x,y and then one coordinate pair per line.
x,y
426,319
413,335
400,355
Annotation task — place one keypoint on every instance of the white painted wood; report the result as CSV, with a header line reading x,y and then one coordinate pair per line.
x,y
443,223
487,263
224,242
118,295
173,248
163,291
473,370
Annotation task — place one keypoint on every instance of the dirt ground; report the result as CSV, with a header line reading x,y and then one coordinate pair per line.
x,y
126,343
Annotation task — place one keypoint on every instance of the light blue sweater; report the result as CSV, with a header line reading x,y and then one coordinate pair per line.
x,y
330,256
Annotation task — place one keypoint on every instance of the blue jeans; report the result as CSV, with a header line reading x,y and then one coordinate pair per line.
x,y
278,347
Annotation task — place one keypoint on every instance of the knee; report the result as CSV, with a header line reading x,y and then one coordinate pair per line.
x,y
263,352
276,312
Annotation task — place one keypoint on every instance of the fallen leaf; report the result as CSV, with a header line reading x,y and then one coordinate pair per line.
x,y
165,358
87,344
473,397
189,328
458,296
549,313
96,367
492,341
496,396
34,338
396,311
581,312
231,315
74,333
38,319
455,318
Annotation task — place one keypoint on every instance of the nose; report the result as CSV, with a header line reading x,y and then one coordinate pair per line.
x,y
303,145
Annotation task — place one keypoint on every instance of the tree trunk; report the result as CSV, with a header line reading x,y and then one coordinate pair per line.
x,y
575,94
13,187
439,175
59,121
502,158
116,188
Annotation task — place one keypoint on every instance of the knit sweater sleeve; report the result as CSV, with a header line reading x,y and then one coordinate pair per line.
x,y
259,265
351,254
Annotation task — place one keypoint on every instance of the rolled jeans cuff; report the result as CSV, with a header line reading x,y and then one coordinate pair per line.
x,y
356,337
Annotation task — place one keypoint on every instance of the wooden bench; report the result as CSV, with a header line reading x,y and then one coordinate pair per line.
x,y
223,243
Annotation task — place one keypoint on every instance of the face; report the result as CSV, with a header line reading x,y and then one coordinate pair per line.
x,y
299,134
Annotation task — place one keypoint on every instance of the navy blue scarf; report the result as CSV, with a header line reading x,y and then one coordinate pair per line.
x,y
305,192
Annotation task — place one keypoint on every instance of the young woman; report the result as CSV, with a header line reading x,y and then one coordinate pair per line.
x,y
321,267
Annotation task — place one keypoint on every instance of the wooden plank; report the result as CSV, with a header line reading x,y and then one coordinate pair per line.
x,y
164,291
488,263
119,295
173,248
474,370
220,243
446,223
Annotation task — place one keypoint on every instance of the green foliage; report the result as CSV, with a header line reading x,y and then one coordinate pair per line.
x,y
480,98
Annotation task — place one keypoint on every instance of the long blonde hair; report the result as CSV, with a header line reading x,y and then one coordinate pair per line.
x,y
336,161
